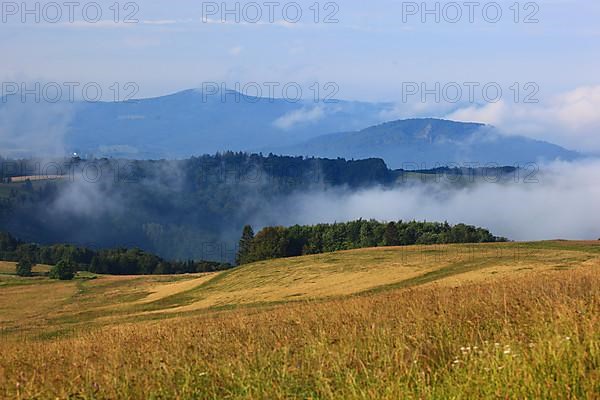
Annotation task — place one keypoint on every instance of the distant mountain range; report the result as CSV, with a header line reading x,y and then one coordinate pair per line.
x,y
426,143
188,124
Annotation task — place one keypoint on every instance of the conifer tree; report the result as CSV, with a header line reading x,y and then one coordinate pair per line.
x,y
245,247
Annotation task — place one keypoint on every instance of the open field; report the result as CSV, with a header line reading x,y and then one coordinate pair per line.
x,y
32,178
8,268
462,321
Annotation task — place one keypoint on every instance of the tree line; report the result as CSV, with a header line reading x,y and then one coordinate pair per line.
x,y
173,208
279,242
120,261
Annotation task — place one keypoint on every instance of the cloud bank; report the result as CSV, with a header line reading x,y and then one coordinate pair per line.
x,y
562,204
34,129
570,119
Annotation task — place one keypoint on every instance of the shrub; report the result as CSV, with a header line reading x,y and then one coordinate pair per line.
x,y
24,267
64,270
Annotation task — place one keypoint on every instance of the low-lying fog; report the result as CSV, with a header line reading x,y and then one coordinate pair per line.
x,y
563,203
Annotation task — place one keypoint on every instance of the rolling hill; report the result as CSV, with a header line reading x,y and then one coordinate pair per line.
x,y
500,320
110,299
508,320
427,143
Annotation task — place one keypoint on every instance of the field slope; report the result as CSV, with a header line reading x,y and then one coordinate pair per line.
x,y
464,321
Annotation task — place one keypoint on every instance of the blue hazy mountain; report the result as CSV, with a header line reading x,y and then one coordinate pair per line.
x,y
188,123
425,143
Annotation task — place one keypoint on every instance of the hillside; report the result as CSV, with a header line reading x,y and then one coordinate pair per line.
x,y
427,143
105,300
174,209
498,320
188,209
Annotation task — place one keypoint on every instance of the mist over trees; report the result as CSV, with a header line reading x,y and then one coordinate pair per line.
x,y
179,209
176,209
120,261
279,242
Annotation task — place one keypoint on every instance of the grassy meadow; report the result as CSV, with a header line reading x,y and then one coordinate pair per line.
x,y
503,320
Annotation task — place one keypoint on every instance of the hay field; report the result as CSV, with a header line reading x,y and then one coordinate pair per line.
x,y
497,321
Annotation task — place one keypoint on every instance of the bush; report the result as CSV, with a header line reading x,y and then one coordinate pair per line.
x,y
64,270
24,267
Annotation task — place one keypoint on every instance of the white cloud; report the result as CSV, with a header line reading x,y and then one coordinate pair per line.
x,y
162,22
300,116
571,119
493,113
102,24
416,109
280,23
34,129
561,201
580,108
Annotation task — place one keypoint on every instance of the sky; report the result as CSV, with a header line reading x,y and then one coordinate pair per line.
x,y
544,56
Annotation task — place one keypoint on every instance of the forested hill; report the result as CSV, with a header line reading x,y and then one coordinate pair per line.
x,y
119,261
429,141
233,168
221,168
280,242
177,209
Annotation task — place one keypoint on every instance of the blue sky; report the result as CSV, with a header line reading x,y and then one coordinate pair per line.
x,y
370,53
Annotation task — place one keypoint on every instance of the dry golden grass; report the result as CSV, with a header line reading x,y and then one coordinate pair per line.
x,y
460,321
39,305
350,272
33,178
532,337
7,267
27,306
108,300
162,291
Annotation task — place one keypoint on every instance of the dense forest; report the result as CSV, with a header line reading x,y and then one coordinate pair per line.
x,y
177,209
108,261
278,242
